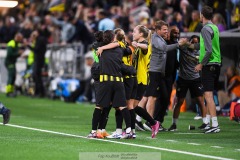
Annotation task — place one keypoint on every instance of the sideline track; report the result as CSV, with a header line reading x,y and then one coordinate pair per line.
x,y
123,143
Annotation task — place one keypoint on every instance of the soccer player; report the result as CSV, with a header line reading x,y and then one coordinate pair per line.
x,y
188,79
102,121
5,112
111,83
141,62
209,63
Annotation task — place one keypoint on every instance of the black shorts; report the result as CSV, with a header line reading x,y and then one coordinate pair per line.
x,y
195,86
210,75
110,91
155,79
130,85
141,89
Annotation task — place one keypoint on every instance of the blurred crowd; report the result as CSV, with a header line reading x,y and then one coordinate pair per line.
x,y
66,21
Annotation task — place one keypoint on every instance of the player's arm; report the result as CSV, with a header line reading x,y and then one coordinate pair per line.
x,y
108,46
142,45
207,37
127,51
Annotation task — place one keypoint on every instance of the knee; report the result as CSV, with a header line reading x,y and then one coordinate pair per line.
x,y
179,102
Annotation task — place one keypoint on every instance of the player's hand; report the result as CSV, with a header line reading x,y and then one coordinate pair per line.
x,y
198,67
182,41
134,44
99,51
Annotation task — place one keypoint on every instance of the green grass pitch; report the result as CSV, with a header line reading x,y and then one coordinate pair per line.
x,y
75,119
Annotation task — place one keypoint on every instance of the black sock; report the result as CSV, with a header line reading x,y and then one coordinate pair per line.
x,y
119,118
126,117
96,118
133,117
144,114
104,118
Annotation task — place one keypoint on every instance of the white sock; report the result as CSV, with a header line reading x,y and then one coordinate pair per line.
x,y
119,131
174,120
207,119
214,122
204,119
93,131
128,130
99,130
138,118
133,131
103,130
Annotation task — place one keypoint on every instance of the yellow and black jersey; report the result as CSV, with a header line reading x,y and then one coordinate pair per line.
x,y
127,57
141,62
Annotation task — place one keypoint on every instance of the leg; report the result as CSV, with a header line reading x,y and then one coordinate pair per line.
x,y
151,105
176,112
200,102
177,107
164,99
95,120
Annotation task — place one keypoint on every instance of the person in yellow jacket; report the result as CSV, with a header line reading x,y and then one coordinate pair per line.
x,y
13,52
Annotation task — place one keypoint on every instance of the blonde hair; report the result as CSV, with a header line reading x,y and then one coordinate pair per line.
x,y
119,34
144,30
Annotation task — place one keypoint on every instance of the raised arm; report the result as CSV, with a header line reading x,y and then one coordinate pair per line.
x,y
108,46
140,45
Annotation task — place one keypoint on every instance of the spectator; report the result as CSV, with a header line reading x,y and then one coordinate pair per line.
x,y
26,29
105,23
233,88
67,28
195,25
233,82
219,21
8,30
186,10
177,21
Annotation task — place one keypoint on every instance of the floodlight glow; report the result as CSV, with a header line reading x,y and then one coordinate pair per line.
x,y
8,4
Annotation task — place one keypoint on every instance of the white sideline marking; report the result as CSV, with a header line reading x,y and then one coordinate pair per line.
x,y
170,140
188,133
195,144
124,143
237,150
216,147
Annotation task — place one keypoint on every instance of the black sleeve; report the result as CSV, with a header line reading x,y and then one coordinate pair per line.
x,y
144,51
127,51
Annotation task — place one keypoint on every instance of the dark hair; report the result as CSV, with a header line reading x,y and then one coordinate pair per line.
x,y
144,30
108,36
98,36
119,35
194,36
103,13
159,24
207,12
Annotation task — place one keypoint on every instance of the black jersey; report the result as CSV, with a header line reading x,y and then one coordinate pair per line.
x,y
111,61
